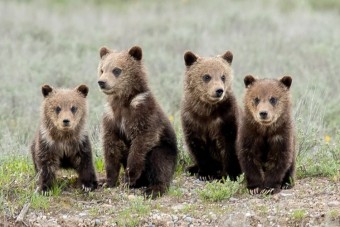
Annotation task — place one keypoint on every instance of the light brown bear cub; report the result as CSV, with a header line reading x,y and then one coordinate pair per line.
x,y
210,116
62,140
266,140
136,132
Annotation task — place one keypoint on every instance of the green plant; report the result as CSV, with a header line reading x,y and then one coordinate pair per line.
x,y
220,190
299,214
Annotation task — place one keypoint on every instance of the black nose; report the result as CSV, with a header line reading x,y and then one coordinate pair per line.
x,y
101,84
66,122
219,92
263,114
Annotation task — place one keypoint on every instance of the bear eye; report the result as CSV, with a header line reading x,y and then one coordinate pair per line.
x,y
57,109
223,78
74,109
101,71
273,100
256,101
206,78
116,71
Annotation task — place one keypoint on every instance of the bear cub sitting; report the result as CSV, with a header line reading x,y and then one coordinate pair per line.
x,y
210,116
136,132
62,140
266,140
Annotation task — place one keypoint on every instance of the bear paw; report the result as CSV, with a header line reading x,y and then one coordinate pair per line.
x,y
254,191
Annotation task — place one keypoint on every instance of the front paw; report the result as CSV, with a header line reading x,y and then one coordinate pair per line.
x,y
44,191
130,178
192,169
89,186
254,191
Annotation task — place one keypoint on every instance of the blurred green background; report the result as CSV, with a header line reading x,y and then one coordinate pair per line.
x,y
57,42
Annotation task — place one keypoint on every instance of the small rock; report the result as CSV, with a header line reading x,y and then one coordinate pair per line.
x,y
188,219
232,199
333,204
283,194
82,214
96,222
178,207
131,197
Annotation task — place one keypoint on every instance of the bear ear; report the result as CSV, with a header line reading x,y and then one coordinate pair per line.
x,y
190,58
228,56
287,81
82,89
104,51
46,90
249,80
136,52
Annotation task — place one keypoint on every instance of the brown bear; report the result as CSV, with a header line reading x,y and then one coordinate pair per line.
x,y
62,140
210,115
136,132
266,139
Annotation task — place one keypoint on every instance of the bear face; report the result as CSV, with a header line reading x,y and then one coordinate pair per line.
x,y
209,79
119,71
64,109
267,99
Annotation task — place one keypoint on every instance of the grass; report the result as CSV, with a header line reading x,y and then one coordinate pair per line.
x,y
216,191
57,42
299,214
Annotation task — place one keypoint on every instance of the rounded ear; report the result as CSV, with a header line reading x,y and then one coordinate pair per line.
x,y
46,90
104,51
287,81
136,53
82,89
249,80
228,56
189,58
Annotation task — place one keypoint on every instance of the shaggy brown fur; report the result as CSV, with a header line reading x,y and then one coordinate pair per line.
x,y
136,132
266,140
62,140
210,116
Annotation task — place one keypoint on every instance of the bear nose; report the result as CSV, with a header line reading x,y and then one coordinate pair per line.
x,y
101,84
263,114
66,122
219,92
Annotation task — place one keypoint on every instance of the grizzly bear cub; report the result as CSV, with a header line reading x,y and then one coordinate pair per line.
x,y
210,116
62,140
136,132
266,140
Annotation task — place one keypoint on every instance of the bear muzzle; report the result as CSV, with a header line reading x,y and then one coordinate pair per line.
x,y
219,93
102,84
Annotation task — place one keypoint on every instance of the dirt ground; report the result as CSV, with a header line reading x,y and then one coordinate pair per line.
x,y
312,202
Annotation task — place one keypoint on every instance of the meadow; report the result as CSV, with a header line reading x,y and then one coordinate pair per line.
x,y
57,42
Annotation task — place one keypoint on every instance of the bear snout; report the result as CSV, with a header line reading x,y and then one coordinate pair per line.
x,y
219,92
102,84
66,122
263,115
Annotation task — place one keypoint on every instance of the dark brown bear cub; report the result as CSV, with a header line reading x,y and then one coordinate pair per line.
x,y
266,140
136,132
210,116
62,140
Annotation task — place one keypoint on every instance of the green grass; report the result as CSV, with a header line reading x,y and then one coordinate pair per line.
x,y
299,214
138,207
216,191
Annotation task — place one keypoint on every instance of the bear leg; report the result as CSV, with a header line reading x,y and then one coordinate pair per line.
x,y
288,180
159,169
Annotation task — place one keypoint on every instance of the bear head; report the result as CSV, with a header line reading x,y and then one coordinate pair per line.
x,y
267,99
120,72
209,79
64,109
